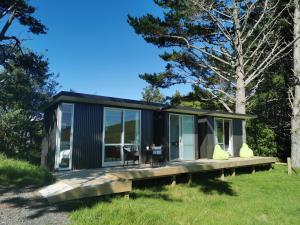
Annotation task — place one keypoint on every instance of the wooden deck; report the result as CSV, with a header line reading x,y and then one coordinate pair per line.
x,y
96,182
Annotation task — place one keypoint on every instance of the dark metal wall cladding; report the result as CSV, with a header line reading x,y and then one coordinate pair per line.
x,y
147,117
87,136
50,130
237,136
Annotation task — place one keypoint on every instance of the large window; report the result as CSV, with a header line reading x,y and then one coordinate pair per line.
x,y
64,136
223,134
121,127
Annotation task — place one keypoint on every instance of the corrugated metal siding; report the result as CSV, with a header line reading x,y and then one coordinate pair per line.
x,y
50,130
147,121
210,144
197,152
237,136
165,139
206,137
87,136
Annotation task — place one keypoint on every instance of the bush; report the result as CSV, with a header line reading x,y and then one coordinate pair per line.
x,y
261,138
18,173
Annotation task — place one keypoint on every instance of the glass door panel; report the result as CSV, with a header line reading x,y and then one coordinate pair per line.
x,y
188,138
182,137
113,135
227,135
121,128
174,137
223,134
65,130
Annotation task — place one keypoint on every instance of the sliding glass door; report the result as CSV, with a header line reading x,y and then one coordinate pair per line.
x,y
223,134
121,128
182,137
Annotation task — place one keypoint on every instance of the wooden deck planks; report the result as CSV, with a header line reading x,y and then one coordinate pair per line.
x,y
88,183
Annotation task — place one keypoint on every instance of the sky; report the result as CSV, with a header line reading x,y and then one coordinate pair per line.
x,y
93,48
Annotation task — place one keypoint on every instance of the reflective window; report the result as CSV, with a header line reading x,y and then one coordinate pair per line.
x,y
65,135
122,128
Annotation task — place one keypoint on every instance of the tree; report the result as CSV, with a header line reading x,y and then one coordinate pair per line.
x,y
26,89
152,94
21,11
223,47
295,94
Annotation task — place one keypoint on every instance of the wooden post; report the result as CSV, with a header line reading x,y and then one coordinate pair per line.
x,y
127,195
190,179
270,166
253,170
222,177
173,184
289,165
233,172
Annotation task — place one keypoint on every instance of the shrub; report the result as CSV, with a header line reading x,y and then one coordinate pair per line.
x,y
18,173
261,138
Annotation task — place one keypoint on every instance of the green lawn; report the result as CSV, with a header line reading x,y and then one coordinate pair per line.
x,y
17,173
267,197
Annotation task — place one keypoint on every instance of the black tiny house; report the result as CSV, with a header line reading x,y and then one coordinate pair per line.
x,y
88,131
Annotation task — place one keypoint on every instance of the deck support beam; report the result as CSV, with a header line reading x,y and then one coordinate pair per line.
x,y
270,166
222,176
190,180
289,165
233,172
253,169
173,183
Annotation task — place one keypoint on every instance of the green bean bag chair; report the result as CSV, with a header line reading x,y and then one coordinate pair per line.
x,y
246,152
219,153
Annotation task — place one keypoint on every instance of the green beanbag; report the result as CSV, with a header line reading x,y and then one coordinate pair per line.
x,y
246,152
219,153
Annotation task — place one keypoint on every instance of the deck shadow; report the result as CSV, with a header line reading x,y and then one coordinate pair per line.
x,y
209,183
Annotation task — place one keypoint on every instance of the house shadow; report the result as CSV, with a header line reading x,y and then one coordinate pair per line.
x,y
209,183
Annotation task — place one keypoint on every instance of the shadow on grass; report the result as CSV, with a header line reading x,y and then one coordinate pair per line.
x,y
209,183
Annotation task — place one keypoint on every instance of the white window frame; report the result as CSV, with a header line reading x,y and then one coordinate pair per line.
x,y
58,136
231,153
121,144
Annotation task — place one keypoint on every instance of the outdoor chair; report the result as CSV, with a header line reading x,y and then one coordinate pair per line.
x,y
130,155
157,155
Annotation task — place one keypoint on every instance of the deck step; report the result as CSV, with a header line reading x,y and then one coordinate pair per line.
x,y
61,191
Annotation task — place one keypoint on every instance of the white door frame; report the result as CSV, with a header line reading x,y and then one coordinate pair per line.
x,y
58,136
180,139
231,153
121,144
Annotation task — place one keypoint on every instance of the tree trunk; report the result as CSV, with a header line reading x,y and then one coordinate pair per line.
x,y
295,123
240,101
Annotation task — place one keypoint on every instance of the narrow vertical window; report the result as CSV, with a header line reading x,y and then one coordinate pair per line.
x,y
65,136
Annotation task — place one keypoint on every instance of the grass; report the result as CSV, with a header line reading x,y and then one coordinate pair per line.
x,y
16,174
267,197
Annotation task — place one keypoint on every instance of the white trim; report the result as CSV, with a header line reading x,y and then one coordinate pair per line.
x,y
58,136
231,152
180,144
121,144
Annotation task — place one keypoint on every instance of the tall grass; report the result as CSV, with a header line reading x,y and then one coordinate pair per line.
x,y
266,197
18,173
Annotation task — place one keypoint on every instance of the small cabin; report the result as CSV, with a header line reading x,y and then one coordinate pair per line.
x,y
89,131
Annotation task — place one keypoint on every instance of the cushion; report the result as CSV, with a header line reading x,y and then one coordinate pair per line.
x,y
246,152
219,153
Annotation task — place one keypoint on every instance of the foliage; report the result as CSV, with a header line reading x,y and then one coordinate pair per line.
x,y
152,94
26,86
261,138
17,173
220,47
268,197
21,11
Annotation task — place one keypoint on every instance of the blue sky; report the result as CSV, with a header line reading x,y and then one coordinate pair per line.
x,y
90,44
